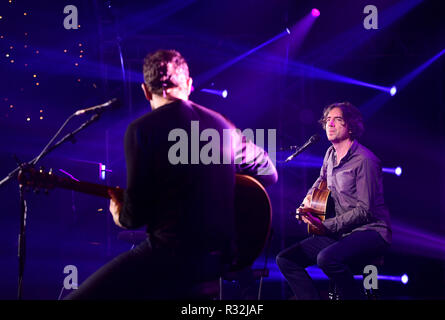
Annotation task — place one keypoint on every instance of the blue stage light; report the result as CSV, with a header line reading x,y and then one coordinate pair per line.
x,y
404,279
393,91
397,171
221,93
102,171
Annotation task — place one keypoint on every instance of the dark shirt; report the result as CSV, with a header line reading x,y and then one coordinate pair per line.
x,y
187,207
357,191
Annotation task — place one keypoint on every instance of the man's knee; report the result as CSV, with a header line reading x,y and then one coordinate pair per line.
x,y
281,261
325,259
284,263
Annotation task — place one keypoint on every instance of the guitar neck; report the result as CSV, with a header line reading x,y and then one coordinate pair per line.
x,y
42,180
85,187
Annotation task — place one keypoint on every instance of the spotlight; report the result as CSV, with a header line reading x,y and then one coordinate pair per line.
x,y
221,93
397,171
287,30
315,12
404,279
393,91
102,171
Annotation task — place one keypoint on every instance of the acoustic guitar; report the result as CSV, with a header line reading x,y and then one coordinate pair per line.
x,y
320,205
253,210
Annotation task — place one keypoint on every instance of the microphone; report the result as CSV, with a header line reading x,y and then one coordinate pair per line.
x,y
98,108
311,141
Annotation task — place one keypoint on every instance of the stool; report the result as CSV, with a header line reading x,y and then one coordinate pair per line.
x,y
248,275
371,294
214,272
213,289
210,285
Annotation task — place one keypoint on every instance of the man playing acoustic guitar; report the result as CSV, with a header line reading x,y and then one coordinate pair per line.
x,y
188,209
360,228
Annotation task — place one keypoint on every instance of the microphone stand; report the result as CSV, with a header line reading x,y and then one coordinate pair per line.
x,y
296,153
23,206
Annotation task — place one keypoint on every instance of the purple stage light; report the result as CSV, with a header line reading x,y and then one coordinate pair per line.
x,y
302,161
224,94
375,104
419,242
398,171
315,12
213,72
413,74
300,69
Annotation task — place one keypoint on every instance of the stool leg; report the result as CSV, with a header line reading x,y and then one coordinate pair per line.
x,y
333,291
61,292
220,287
260,287
371,294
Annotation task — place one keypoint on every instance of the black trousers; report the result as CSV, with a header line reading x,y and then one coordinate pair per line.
x,y
335,257
143,273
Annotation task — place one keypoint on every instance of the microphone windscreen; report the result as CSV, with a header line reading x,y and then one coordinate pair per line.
x,y
315,137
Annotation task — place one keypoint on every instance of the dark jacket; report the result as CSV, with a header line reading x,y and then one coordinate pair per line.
x,y
185,206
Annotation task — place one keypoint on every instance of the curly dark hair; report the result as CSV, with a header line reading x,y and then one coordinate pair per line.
x,y
164,69
352,116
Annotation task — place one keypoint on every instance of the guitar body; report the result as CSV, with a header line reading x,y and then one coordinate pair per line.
x,y
253,217
253,210
320,205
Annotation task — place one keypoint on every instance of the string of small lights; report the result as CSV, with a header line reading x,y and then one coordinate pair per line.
x,y
27,92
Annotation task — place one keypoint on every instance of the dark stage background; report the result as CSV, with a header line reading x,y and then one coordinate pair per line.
x,y
48,72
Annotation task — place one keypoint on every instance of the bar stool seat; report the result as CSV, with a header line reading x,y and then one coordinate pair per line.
x,y
371,294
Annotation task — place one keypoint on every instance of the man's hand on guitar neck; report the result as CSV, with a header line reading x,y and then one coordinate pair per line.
x,y
116,204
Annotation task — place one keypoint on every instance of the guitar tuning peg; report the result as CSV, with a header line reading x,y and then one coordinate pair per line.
x,y
41,169
50,171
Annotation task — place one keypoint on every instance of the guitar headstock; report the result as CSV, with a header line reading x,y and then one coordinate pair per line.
x,y
37,179
302,211
299,213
